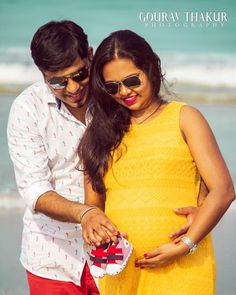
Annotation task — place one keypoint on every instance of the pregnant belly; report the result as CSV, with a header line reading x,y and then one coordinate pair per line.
x,y
146,228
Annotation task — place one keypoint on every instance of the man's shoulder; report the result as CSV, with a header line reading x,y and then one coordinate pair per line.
x,y
34,95
35,90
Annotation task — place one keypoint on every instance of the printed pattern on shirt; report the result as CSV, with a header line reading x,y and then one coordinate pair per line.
x,y
43,141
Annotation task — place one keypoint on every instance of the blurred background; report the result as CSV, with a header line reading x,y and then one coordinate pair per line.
x,y
196,42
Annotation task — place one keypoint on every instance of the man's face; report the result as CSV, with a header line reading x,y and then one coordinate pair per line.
x,y
70,85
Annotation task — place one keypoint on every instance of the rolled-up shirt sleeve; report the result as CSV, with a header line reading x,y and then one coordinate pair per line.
x,y
28,153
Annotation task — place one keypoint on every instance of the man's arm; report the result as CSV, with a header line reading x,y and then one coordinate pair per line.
x,y
31,165
96,230
33,174
57,207
189,212
28,153
93,221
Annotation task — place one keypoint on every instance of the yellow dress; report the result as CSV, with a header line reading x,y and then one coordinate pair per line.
x,y
155,174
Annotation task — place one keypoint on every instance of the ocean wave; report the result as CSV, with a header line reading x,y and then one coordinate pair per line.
x,y
17,67
204,69
15,54
18,73
212,70
11,202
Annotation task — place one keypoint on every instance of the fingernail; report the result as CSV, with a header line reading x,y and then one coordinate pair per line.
x,y
145,255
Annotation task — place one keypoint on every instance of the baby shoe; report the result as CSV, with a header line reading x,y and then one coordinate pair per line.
x,y
97,259
118,256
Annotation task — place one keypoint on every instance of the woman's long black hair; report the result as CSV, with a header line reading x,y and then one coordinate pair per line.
x,y
110,120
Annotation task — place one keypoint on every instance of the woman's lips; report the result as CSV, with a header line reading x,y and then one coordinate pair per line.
x,y
130,100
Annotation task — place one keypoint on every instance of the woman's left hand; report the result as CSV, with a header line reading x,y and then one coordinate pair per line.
x,y
162,255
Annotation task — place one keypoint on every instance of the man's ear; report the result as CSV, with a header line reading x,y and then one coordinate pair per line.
x,y
90,54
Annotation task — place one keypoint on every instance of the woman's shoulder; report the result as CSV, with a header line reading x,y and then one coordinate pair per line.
x,y
192,120
186,110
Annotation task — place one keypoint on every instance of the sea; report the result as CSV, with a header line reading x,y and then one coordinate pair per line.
x,y
195,40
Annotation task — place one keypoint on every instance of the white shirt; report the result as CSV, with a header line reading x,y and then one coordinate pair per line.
x,y
43,137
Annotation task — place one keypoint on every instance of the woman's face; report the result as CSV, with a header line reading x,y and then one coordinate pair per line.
x,y
134,93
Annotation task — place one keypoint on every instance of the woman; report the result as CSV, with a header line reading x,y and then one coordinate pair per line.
x,y
145,155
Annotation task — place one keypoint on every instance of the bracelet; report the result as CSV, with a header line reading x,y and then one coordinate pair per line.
x,y
187,241
84,211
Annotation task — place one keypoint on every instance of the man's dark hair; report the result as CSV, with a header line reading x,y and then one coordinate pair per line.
x,y
57,44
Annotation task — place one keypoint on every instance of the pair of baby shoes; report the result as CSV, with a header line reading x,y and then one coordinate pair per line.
x,y
109,258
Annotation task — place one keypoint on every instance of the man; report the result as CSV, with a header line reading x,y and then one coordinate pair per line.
x,y
45,125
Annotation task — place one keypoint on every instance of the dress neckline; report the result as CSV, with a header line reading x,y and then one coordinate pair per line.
x,y
166,107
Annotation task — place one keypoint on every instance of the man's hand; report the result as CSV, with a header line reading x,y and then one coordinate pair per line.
x,y
97,228
190,213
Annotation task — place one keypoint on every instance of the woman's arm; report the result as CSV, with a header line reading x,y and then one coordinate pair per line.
x,y
91,197
215,174
213,170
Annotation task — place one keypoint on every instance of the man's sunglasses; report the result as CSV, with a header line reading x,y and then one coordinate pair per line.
x,y
61,82
131,82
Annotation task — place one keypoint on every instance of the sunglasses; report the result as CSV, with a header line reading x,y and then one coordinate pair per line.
x,y
131,82
61,82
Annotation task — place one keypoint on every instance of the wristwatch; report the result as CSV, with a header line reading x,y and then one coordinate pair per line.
x,y
187,241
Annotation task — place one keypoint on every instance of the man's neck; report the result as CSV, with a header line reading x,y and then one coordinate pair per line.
x,y
78,113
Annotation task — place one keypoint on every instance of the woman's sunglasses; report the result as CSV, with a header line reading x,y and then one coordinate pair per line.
x,y
131,82
61,82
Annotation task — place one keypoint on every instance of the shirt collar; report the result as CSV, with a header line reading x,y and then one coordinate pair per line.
x,y
51,98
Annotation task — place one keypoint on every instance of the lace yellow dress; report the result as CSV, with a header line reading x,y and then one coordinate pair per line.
x,y
155,174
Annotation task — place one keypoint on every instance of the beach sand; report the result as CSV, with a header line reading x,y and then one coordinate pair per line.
x,y
12,274
225,250
13,279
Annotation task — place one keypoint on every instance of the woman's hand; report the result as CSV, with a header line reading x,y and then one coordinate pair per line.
x,y
97,228
162,255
